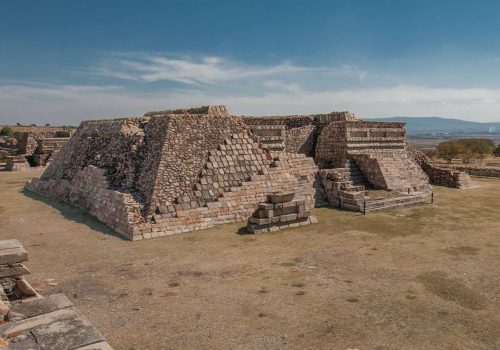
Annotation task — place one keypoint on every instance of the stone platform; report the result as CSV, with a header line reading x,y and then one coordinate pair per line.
x,y
280,212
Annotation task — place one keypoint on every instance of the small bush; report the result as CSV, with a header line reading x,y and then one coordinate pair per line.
x,y
496,151
6,131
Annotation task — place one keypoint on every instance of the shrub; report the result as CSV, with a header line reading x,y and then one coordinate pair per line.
x,y
449,150
6,131
476,149
496,151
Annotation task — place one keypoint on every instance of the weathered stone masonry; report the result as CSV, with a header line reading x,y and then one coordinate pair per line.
x,y
182,170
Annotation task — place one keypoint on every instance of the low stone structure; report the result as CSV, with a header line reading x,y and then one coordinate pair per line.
x,y
476,170
47,150
440,175
36,149
182,170
280,211
29,141
17,163
30,321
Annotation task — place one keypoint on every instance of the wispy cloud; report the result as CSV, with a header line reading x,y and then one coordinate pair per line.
x,y
355,71
209,70
191,70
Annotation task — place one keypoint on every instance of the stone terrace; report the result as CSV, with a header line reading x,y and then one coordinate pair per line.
x,y
181,170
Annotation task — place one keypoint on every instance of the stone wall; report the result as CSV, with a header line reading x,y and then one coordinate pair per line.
x,y
171,173
475,170
109,144
90,190
331,147
440,175
301,131
186,146
301,140
181,170
17,163
379,151
29,141
338,140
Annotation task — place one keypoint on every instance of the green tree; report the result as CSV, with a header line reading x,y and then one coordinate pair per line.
x,y
6,131
449,150
467,155
476,149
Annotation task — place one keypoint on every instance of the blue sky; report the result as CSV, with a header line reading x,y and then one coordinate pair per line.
x,y
66,61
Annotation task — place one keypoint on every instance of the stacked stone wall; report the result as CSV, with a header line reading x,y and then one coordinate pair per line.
x,y
475,170
301,140
377,148
439,175
185,151
235,205
301,131
17,163
90,190
241,187
331,147
29,141
150,154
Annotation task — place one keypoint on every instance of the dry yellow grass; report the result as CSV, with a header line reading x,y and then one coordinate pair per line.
x,y
418,278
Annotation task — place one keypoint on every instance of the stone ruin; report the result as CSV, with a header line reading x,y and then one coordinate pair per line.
x,y
31,321
182,170
36,149
279,212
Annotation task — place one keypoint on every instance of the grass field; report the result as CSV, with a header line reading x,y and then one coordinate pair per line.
x,y
426,277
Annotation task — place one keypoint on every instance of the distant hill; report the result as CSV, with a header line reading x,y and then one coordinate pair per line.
x,y
425,125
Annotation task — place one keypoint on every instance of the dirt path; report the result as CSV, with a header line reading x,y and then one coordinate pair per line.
x,y
419,278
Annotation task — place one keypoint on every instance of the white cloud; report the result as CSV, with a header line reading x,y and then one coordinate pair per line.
x,y
73,103
354,71
197,70
188,69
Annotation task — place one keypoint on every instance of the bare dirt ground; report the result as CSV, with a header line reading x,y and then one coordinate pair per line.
x,y
419,278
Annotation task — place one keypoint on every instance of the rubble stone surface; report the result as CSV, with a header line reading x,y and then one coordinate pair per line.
x,y
30,321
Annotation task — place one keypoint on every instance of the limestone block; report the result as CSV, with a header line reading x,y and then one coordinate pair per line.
x,y
12,252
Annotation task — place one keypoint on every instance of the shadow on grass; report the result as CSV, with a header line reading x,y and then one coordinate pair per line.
x,y
70,212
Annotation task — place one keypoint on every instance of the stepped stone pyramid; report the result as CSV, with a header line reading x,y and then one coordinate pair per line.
x,y
181,170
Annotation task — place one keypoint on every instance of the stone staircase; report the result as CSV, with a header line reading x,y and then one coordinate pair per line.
x,y
353,175
396,172
345,186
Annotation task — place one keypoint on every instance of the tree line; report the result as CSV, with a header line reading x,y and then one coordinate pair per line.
x,y
467,150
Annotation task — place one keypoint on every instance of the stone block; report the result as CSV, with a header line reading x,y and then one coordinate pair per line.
x,y
12,252
281,197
